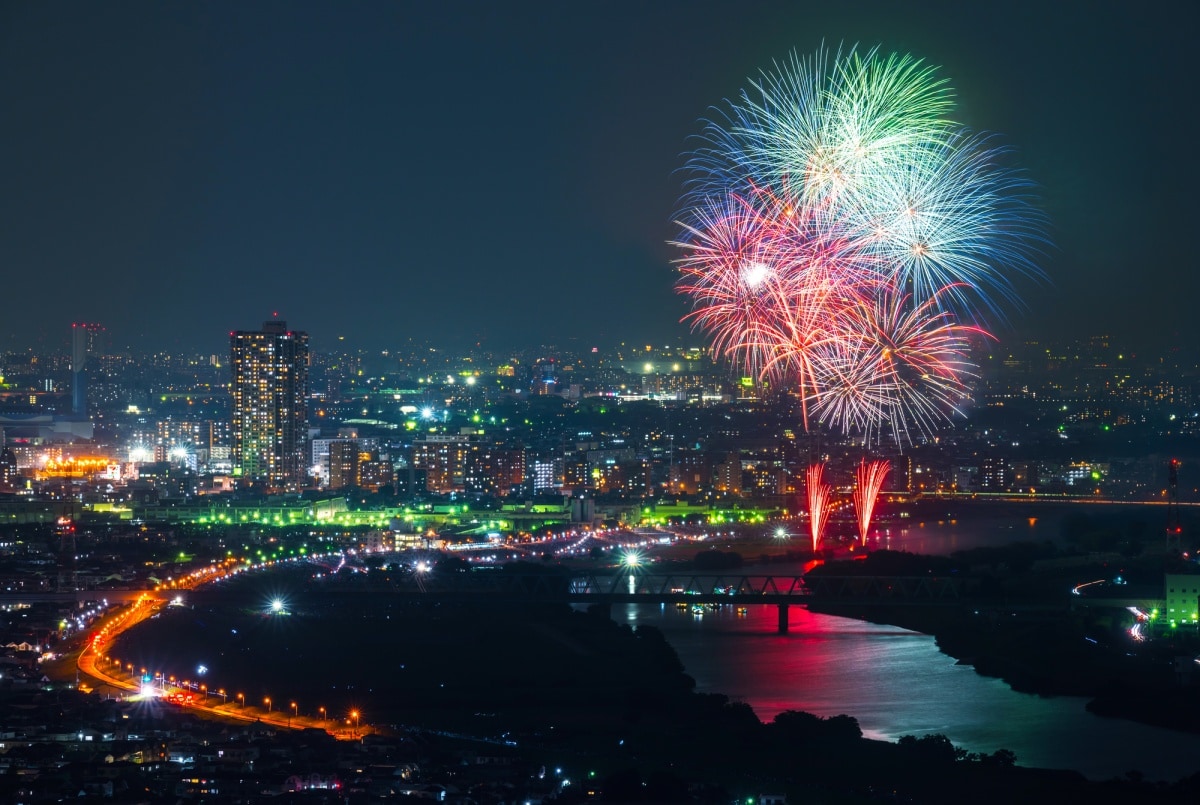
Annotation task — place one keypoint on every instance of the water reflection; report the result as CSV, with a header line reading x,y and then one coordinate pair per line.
x,y
896,682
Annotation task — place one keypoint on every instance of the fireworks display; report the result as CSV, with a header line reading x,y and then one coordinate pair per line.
x,y
819,498
843,237
869,478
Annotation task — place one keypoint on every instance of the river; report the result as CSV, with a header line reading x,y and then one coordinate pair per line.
x,y
897,682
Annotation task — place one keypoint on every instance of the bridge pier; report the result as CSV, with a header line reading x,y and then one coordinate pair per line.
x,y
783,618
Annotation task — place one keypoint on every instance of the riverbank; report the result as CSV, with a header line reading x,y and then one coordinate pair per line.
x,y
1021,628
575,686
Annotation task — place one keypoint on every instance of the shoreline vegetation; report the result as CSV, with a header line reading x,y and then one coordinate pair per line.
x,y
1016,622
589,692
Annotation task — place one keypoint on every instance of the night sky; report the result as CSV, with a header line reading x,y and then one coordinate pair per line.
x,y
506,173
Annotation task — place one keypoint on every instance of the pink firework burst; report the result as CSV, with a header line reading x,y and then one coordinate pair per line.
x,y
767,284
837,227
896,365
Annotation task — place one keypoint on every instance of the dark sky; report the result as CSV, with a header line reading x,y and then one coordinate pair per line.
x,y
506,172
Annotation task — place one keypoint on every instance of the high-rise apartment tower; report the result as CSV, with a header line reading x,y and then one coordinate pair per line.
x,y
270,395
85,341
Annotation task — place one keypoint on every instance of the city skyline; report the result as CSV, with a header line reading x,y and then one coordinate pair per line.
x,y
509,176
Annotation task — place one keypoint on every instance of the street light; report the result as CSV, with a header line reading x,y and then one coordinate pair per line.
x,y
295,712
242,699
354,715
321,710
267,702
222,692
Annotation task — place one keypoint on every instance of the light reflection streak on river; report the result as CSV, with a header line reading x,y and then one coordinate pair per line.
x,y
896,682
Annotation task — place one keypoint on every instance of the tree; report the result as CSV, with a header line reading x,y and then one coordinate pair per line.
x,y
799,727
930,748
1003,757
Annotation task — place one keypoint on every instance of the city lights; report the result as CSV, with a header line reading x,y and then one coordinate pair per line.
x,y
646,402
632,559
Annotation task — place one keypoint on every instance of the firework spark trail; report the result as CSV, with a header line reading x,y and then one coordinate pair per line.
x,y
741,267
870,478
839,229
953,218
767,284
895,363
827,125
819,494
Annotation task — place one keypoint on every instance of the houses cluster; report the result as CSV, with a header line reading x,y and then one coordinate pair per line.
x,y
57,742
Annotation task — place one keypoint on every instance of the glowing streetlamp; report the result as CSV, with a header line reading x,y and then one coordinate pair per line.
x,y
295,712
354,715
242,699
321,710
267,702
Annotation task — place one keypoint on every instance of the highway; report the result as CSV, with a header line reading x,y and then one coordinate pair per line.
x,y
94,663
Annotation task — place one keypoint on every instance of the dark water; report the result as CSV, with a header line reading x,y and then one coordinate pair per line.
x,y
896,682
975,525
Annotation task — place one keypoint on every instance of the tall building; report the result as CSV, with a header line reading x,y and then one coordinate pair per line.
x,y
994,475
727,476
494,469
443,458
270,393
344,459
196,436
85,342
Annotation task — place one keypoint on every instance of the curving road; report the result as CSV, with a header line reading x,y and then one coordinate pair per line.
x,y
93,662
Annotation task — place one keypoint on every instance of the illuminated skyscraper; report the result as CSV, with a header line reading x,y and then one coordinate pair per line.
x,y
270,394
